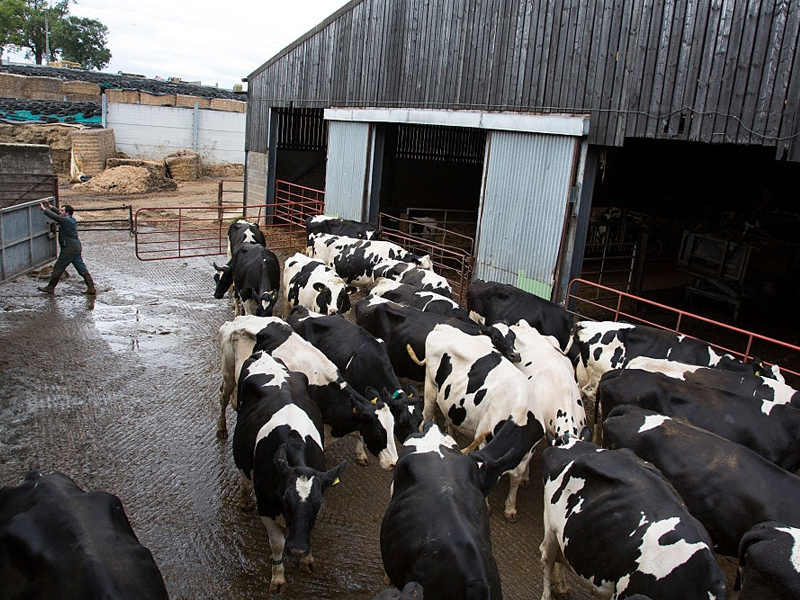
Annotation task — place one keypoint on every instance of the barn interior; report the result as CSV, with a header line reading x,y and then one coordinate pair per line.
x,y
710,229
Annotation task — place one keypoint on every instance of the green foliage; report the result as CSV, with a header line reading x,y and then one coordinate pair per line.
x,y
35,25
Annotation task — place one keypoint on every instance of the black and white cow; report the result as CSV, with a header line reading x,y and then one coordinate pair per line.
x,y
417,297
277,446
766,389
436,528
600,346
244,232
551,380
493,302
403,326
311,283
769,565
362,360
344,410
354,260
409,274
254,272
337,226
58,541
771,430
727,487
621,526
476,389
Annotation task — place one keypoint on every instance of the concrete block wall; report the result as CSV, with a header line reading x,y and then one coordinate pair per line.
x,y
256,177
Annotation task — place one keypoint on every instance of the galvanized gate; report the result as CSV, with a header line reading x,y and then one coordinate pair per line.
x,y
27,239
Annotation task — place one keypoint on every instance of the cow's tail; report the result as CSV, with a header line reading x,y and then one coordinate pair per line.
x,y
413,356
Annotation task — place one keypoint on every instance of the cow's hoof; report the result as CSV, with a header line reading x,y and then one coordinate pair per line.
x,y
511,516
307,564
222,434
246,504
362,460
277,586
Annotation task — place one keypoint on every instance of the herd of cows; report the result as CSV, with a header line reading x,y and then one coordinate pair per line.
x,y
693,455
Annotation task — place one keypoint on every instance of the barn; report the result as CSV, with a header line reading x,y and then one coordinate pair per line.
x,y
651,146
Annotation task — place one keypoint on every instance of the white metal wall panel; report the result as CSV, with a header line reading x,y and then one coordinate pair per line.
x,y
525,195
349,157
152,132
25,240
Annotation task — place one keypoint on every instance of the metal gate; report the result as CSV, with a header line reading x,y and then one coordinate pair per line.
x,y
618,305
27,238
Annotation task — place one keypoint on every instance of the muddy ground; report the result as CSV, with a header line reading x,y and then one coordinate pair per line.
x,y
120,392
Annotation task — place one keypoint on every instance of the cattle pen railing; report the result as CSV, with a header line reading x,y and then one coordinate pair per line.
x,y
622,306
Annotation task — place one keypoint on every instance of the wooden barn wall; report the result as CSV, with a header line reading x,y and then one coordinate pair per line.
x,y
719,71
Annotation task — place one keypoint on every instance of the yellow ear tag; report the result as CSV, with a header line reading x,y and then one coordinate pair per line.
x,y
355,412
374,400
335,481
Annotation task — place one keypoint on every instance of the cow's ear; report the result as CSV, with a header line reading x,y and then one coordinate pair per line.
x,y
412,392
319,286
350,290
332,477
281,463
490,471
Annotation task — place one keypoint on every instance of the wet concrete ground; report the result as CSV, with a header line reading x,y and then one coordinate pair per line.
x,y
121,394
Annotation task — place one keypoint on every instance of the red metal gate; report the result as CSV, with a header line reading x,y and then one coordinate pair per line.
x,y
593,301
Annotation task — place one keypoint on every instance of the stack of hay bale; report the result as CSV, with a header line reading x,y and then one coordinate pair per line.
x,y
183,165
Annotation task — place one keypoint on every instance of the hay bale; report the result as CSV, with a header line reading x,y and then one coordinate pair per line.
x,y
228,105
158,165
183,165
184,100
122,96
11,85
127,179
90,150
42,88
157,99
81,91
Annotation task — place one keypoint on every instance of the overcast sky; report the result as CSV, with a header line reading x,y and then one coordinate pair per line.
x,y
216,43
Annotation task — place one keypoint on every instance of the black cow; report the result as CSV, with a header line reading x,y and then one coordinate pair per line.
x,y
411,591
762,387
768,563
277,446
622,527
255,274
362,361
337,226
771,430
727,487
403,326
436,528
494,301
58,541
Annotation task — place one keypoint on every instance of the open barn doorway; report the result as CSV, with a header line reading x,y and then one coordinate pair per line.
x,y
431,177
720,223
302,146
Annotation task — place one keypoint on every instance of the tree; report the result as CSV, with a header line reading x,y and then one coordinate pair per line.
x,y
45,25
12,19
82,41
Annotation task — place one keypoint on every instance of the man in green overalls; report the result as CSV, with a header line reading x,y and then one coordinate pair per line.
x,y
70,248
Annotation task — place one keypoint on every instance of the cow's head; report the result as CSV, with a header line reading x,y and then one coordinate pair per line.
x,y
302,497
503,338
333,299
406,406
266,303
763,369
223,279
376,426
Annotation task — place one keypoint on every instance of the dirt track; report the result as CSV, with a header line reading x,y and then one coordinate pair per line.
x,y
120,393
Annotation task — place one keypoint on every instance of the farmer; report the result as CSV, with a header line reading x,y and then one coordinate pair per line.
x,y
70,248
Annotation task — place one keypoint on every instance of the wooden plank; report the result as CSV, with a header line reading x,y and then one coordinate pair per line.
x,y
710,41
789,137
649,71
509,51
744,69
554,57
566,46
783,70
676,78
654,108
614,72
696,45
713,97
759,78
603,40
536,32
580,51
619,123
593,51
520,41
551,22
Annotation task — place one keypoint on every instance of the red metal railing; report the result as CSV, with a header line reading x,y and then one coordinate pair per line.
x,y
630,308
